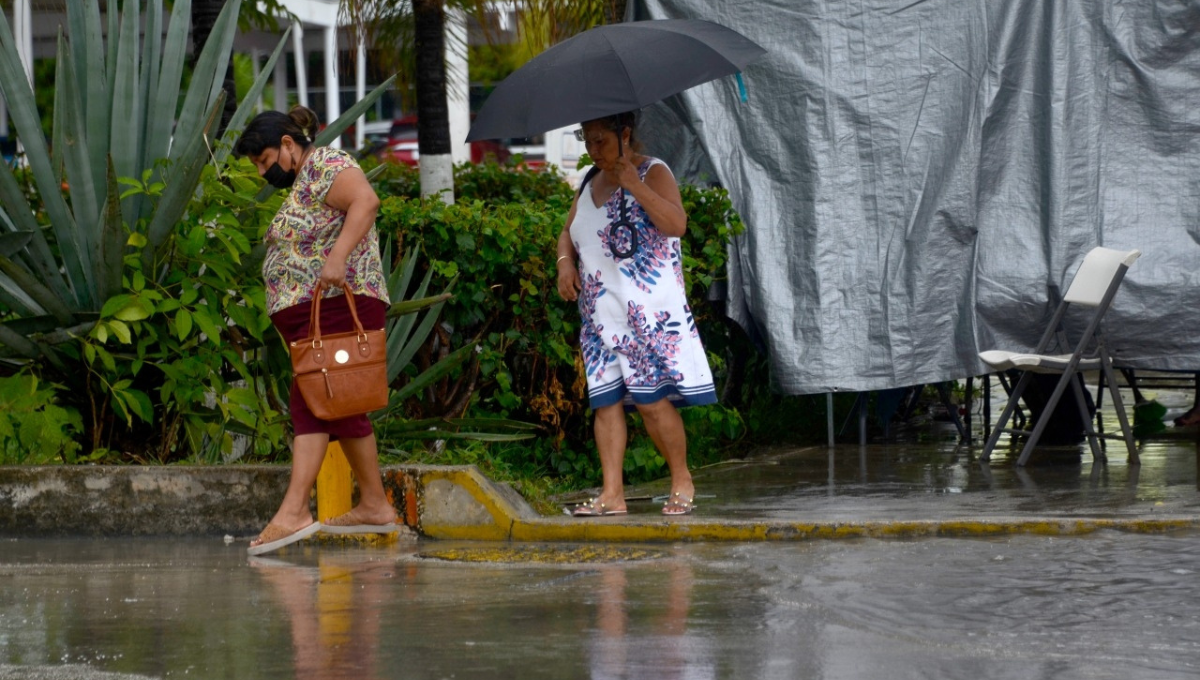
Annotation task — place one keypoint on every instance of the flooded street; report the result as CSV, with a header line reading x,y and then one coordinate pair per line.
x,y
1104,605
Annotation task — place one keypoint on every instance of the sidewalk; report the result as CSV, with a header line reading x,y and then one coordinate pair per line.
x,y
909,490
933,487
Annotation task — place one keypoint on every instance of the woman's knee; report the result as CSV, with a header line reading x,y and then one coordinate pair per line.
x,y
660,411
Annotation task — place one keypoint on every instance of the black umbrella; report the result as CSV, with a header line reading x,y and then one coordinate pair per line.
x,y
608,70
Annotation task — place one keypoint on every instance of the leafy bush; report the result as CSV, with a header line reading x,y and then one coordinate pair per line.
x,y
501,251
489,182
494,183
34,429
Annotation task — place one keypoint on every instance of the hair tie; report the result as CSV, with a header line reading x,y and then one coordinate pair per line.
x,y
307,134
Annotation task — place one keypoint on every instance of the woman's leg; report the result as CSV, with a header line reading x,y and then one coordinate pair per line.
x,y
308,452
666,429
611,437
373,506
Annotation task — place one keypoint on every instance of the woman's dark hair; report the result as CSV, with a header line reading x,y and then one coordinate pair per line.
x,y
266,130
618,122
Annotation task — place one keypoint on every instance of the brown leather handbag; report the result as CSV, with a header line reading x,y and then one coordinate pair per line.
x,y
343,374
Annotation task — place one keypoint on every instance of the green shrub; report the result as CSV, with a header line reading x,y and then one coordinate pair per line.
x,y
34,429
501,252
496,183
491,182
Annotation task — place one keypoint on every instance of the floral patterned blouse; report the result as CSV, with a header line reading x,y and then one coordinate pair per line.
x,y
304,231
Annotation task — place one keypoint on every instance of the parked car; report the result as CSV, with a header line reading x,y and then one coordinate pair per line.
x,y
396,141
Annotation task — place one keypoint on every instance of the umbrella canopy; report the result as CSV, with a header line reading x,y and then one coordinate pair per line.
x,y
608,70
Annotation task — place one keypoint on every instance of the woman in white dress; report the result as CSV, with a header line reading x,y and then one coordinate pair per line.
x,y
619,257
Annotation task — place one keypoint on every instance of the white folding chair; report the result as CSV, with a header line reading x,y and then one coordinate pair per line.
x,y
1094,286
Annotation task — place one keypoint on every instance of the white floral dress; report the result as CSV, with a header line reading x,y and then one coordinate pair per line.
x,y
639,342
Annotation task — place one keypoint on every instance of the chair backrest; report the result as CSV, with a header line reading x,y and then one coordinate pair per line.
x,y
1098,270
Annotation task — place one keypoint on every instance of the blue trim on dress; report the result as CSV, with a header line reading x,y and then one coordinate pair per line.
x,y
618,391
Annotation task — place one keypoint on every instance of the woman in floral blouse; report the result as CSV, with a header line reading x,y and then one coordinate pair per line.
x,y
324,233
619,256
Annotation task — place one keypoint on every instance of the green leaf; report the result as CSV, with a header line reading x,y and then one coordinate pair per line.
x,y
121,330
183,323
75,147
22,109
188,167
435,372
111,239
204,87
127,109
115,304
249,99
165,96
412,306
141,405
207,325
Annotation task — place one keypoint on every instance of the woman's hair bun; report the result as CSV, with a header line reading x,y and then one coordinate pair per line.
x,y
305,119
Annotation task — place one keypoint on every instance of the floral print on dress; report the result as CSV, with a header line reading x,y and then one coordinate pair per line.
x,y
651,351
303,232
644,267
595,355
638,337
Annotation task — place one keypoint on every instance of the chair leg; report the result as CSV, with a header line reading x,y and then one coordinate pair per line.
x,y
1131,379
1093,439
1019,413
1126,431
1013,397
1047,414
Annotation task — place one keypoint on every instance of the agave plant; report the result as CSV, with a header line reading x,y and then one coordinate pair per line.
x,y
113,117
121,260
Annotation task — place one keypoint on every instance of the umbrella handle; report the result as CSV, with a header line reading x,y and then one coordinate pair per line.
x,y
614,231
623,222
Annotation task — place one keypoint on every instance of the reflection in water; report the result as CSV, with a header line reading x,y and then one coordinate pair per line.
x,y
665,650
334,609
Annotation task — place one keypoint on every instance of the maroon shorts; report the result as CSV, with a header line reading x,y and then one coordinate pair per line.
x,y
292,324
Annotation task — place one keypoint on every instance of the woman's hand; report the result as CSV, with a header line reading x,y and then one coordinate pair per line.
x,y
333,273
568,280
626,173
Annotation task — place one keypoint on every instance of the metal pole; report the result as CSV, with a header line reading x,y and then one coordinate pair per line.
x,y
829,417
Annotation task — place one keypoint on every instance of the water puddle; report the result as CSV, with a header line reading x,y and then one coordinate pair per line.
x,y
1106,605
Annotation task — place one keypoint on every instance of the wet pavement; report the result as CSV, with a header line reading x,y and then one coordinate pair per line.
x,y
1107,605
926,474
1094,604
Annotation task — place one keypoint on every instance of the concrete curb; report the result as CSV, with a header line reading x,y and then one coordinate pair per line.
x,y
442,502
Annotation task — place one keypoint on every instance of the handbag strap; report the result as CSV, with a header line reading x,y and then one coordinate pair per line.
x,y
314,314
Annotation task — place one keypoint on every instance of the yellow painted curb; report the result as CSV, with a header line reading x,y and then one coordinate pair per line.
x,y
461,503
695,529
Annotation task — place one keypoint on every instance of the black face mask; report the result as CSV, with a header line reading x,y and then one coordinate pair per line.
x,y
279,178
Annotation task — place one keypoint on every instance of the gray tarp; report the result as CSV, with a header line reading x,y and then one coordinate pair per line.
x,y
919,177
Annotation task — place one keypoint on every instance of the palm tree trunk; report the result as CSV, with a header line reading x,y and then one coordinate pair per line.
x,y
433,135
616,12
204,16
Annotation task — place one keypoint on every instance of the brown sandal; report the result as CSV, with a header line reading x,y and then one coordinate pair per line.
x,y
275,537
